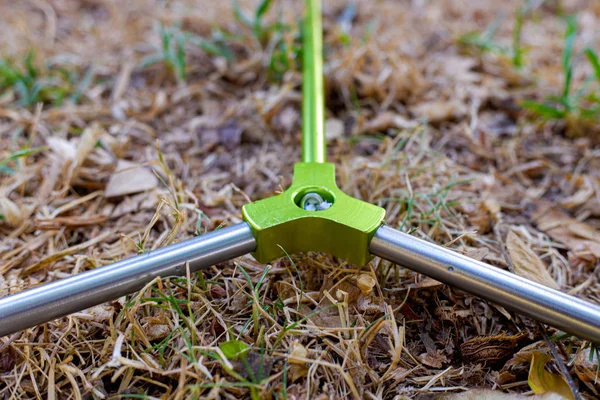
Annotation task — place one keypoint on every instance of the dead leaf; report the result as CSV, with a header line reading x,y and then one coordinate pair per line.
x,y
230,134
492,206
435,359
289,119
298,353
440,110
584,230
586,366
460,68
580,197
526,263
253,364
10,213
524,355
296,372
156,331
101,313
129,178
334,128
477,253
62,147
8,359
426,283
485,394
136,203
399,374
370,305
541,381
576,235
387,120
88,141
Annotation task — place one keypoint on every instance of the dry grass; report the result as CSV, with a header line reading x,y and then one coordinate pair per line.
x,y
426,128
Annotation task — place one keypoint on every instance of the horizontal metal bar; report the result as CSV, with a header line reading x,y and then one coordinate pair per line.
x,y
47,302
523,296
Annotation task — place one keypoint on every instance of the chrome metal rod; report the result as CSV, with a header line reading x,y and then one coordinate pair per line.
x,y
523,296
47,302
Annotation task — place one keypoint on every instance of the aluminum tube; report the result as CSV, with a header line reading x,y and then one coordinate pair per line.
x,y
314,147
523,296
47,302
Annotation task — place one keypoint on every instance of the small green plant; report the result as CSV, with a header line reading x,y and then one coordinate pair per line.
x,y
517,50
52,84
283,41
242,363
172,49
260,30
435,201
185,327
485,42
216,46
255,297
286,54
4,164
573,105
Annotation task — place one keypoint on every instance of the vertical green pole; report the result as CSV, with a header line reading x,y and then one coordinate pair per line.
x,y
313,102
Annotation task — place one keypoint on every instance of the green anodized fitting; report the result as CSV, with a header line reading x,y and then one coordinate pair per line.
x,y
344,229
313,214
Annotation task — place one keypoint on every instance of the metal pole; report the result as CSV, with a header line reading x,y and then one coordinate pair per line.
x,y
313,95
66,296
539,302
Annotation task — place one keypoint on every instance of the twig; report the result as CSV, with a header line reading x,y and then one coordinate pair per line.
x,y
561,364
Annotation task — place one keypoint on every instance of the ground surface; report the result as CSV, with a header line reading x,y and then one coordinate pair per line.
x,y
422,121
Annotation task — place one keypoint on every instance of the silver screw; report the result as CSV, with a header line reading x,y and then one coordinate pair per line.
x,y
314,202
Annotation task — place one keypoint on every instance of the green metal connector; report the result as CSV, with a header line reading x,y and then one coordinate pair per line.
x,y
281,224
344,230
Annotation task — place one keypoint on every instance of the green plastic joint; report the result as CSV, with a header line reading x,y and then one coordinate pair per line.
x,y
280,225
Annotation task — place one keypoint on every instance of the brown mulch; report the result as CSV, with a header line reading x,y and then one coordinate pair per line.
x,y
429,129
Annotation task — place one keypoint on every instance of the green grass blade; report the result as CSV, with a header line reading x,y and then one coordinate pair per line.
x,y
25,98
543,110
570,36
517,51
180,56
212,48
19,154
9,73
29,64
83,85
257,26
262,9
593,59
248,279
240,16
151,60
